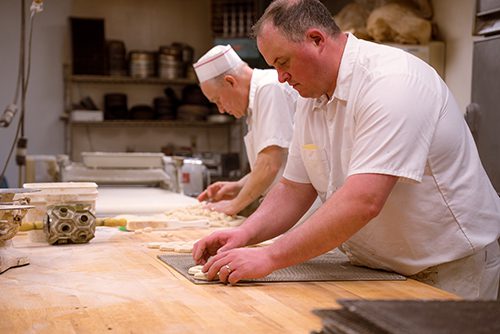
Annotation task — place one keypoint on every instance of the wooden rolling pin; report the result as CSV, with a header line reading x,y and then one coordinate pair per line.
x,y
109,221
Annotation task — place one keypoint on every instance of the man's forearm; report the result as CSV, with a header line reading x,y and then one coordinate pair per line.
x,y
256,183
282,207
350,208
261,177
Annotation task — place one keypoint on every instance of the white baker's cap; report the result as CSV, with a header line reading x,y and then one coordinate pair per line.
x,y
216,61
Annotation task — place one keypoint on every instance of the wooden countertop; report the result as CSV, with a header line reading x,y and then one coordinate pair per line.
x,y
116,284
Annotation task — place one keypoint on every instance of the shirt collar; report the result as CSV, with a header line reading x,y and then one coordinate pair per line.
x,y
344,77
253,88
251,95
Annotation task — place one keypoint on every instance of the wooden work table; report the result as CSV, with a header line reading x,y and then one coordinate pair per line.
x,y
115,284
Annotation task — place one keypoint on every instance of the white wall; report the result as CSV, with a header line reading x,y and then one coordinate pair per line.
x,y
44,105
147,24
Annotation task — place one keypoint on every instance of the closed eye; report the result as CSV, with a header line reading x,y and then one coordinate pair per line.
x,y
280,63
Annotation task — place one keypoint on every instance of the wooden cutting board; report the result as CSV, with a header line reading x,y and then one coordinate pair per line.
x,y
160,222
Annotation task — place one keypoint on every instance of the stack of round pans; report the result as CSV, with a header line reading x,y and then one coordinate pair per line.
x,y
142,112
187,52
115,106
170,64
165,108
192,94
117,61
192,112
142,64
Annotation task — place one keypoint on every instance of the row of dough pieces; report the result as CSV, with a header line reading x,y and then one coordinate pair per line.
x,y
198,211
196,214
184,246
173,246
197,273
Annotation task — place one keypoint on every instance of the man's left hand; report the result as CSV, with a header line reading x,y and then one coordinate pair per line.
x,y
240,263
226,207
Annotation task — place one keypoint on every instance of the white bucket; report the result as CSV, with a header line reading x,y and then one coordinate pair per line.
x,y
195,177
54,193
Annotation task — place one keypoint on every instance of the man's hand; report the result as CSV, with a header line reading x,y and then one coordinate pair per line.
x,y
218,242
226,207
219,191
241,263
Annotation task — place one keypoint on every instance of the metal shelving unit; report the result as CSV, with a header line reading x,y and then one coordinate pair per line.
x,y
106,79
153,123
71,79
75,130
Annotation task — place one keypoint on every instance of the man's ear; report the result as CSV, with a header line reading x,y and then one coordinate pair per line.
x,y
230,80
316,36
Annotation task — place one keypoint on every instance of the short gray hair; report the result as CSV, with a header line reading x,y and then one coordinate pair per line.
x,y
294,17
235,71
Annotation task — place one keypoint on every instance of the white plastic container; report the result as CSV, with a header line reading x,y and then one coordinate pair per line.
x,y
55,193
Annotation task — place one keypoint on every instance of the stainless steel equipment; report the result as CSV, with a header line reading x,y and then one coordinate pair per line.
x,y
120,168
483,114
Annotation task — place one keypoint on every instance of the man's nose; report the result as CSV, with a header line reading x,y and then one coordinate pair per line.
x,y
283,76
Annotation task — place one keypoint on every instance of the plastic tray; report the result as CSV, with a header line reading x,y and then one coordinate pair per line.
x,y
122,160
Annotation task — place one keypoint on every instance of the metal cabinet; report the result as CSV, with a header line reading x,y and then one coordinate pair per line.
x,y
484,112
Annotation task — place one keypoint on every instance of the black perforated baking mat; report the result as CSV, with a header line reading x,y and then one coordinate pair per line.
x,y
332,266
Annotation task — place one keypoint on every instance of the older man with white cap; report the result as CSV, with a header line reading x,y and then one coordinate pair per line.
x,y
268,105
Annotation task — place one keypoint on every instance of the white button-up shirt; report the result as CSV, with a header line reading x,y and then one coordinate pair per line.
x,y
271,106
392,114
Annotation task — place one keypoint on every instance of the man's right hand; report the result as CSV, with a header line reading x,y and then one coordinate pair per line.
x,y
219,191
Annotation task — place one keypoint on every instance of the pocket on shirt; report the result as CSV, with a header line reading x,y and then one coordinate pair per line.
x,y
317,167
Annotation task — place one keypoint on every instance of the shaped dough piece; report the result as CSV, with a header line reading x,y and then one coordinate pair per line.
x,y
154,244
203,276
174,246
195,269
135,223
170,246
184,248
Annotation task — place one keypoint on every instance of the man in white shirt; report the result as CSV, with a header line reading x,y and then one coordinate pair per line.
x,y
379,137
269,107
